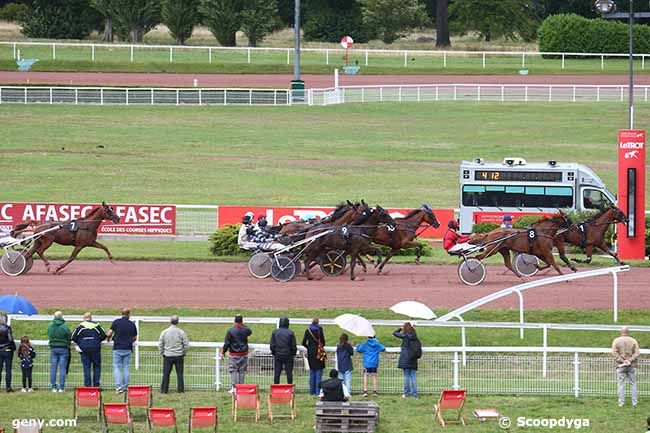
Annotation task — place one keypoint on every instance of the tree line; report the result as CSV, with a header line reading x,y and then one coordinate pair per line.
x,y
324,20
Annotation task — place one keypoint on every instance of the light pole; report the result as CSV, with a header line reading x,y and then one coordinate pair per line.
x,y
607,9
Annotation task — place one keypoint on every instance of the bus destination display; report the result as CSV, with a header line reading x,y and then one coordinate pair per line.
x,y
518,176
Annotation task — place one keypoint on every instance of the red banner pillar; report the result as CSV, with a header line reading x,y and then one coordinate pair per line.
x,y
631,193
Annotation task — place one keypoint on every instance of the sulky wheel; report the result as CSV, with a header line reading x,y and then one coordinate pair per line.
x,y
471,272
333,262
526,265
13,263
283,269
28,265
259,265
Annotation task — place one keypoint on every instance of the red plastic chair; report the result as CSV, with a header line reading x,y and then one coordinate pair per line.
x,y
139,396
162,417
203,417
117,413
245,397
87,396
282,395
451,399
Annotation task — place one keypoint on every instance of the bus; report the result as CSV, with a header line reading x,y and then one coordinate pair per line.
x,y
490,190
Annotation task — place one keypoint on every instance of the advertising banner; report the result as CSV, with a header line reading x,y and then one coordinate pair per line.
x,y
631,193
134,219
285,214
497,217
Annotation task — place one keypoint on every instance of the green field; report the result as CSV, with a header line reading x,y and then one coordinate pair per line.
x,y
392,154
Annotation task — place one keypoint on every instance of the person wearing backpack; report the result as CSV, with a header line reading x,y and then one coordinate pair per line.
x,y
408,358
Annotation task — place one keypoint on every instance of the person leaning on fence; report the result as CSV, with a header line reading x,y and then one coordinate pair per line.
x,y
173,345
283,348
344,353
626,351
314,342
236,342
26,353
333,389
408,358
7,348
370,350
88,337
59,341
124,333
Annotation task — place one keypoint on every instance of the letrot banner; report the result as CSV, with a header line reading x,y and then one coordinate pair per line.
x,y
631,193
285,214
134,219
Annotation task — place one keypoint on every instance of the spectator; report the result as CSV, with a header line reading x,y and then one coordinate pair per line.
x,y
7,348
506,222
88,337
237,343
370,349
26,354
344,353
123,333
314,342
647,425
408,358
626,351
59,336
173,345
333,388
283,348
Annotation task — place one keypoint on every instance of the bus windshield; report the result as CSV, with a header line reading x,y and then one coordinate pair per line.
x,y
518,196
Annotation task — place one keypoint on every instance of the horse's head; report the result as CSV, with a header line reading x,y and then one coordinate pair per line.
x,y
617,215
382,216
429,216
108,213
363,212
561,220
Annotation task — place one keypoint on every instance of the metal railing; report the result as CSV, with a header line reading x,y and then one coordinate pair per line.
x,y
476,93
326,56
488,370
142,96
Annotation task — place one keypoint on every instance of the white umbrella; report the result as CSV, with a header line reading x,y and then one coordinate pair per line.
x,y
357,325
413,309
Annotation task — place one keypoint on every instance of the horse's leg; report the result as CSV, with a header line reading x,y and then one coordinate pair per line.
x,y
73,256
307,267
418,253
547,256
565,259
505,253
353,263
588,251
606,250
363,264
40,246
102,247
386,259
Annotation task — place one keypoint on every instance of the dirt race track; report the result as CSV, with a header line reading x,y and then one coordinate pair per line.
x,y
155,284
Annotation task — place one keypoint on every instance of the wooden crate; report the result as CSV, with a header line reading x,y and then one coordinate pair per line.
x,y
350,417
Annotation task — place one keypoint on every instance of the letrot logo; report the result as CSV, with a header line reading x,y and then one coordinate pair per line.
x,y
630,145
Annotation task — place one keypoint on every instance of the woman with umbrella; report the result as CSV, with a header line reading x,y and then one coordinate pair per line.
x,y
408,358
314,342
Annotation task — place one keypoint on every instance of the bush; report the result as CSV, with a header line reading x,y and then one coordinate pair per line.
x,y
427,250
13,12
60,19
526,221
484,227
329,26
575,34
224,241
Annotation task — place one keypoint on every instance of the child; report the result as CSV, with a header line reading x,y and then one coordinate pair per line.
x,y
344,353
26,354
370,350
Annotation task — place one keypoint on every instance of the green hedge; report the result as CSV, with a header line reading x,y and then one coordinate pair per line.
x,y
224,241
484,227
575,34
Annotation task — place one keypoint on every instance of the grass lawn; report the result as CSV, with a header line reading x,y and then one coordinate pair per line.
x,y
392,154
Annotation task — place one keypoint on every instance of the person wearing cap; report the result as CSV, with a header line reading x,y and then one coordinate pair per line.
x,y
236,342
506,222
247,232
453,241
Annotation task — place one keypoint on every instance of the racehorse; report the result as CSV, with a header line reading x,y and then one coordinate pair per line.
x,y
354,239
590,234
344,213
537,240
80,233
404,233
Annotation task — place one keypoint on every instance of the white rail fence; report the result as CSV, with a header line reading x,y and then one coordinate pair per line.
x,y
476,93
215,54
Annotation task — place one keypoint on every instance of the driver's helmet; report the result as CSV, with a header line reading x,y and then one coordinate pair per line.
x,y
452,224
262,222
248,218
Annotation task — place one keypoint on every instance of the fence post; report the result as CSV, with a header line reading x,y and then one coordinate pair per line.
x,y
210,55
444,59
437,93
327,57
275,97
562,60
25,95
574,93
621,93
217,372
478,93
177,97
127,96
525,93
250,96
597,93
288,56
53,51
171,55
14,51
381,94
503,96
131,53
463,343
576,375
483,59
399,93
0,95
366,57
602,62
523,59
456,384
93,52
200,97
419,92
363,94
101,96
454,92
136,349
249,54
615,296
225,96
642,61
646,94
152,100
550,93
544,348
405,59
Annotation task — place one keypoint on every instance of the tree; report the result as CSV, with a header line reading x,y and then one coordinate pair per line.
x,y
59,19
330,20
259,18
134,18
104,8
389,18
496,18
223,18
180,17
442,23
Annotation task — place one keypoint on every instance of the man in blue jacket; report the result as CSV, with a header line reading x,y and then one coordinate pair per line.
x,y
88,337
370,349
